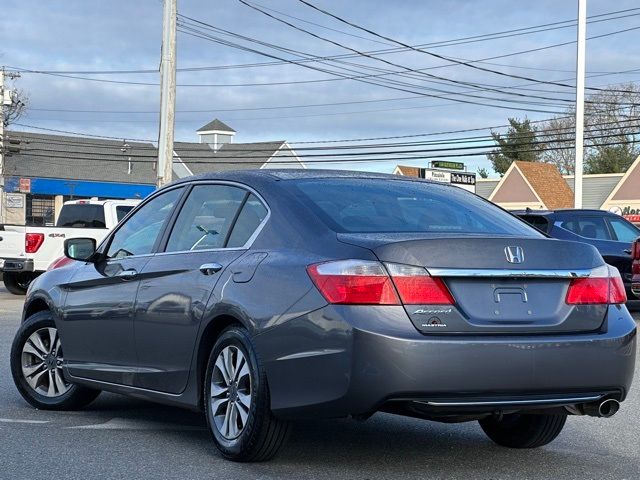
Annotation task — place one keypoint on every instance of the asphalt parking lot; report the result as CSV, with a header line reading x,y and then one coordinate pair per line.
x,y
118,437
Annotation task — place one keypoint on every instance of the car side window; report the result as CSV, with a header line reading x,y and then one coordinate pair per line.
x,y
139,233
252,215
587,227
206,218
624,231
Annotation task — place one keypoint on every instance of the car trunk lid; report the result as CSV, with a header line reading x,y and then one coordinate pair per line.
x,y
501,285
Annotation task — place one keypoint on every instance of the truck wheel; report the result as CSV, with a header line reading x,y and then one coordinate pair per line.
x,y
18,282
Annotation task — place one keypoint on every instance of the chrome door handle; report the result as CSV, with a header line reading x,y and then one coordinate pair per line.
x,y
628,250
210,268
127,274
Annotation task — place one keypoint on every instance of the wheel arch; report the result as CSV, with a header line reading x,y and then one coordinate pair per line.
x,y
210,334
36,305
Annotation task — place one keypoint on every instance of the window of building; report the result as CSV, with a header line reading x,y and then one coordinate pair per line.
x,y
40,210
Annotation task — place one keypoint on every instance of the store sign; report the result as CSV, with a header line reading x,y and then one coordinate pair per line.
x,y
25,185
448,165
631,213
435,175
463,178
15,200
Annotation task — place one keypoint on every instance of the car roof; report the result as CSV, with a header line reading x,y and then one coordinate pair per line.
x,y
573,211
294,174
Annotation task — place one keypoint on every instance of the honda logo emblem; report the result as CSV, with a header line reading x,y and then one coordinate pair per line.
x,y
514,254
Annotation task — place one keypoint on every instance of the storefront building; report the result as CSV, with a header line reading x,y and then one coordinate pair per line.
x,y
540,186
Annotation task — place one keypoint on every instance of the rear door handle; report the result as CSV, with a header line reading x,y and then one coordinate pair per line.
x,y
210,268
627,250
129,274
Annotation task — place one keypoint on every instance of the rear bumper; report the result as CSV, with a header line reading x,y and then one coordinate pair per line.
x,y
354,360
17,265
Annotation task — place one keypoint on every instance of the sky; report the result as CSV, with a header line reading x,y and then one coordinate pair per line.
x,y
89,36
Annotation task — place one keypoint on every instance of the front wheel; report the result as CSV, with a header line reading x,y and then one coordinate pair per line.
x,y
237,403
523,430
36,366
18,282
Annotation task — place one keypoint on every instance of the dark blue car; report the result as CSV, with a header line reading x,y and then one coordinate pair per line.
x,y
611,234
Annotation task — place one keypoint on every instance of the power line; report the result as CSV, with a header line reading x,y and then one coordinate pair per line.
x,y
234,156
344,140
435,55
457,41
352,159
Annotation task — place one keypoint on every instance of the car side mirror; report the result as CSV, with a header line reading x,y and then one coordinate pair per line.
x,y
80,248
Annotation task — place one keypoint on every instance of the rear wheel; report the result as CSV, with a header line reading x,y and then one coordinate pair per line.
x,y
36,365
237,401
18,282
523,431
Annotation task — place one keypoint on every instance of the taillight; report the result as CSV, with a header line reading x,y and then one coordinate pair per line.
x,y
33,242
416,287
370,283
603,286
353,282
60,262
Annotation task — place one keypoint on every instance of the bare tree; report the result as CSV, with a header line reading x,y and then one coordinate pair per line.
x,y
18,105
558,136
612,123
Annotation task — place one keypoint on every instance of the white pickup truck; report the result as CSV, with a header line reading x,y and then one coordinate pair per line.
x,y
26,252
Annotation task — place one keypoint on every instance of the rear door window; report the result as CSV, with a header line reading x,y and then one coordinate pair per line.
x,y
623,230
206,218
587,227
252,215
356,205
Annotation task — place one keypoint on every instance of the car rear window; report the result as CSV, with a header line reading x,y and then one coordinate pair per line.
x,y
82,215
356,205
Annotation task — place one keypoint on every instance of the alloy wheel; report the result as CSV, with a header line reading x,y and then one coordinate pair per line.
x,y
231,392
42,363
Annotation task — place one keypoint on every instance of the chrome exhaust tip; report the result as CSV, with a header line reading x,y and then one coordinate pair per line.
x,y
608,408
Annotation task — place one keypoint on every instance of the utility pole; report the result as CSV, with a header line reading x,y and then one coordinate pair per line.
x,y
6,100
167,93
580,73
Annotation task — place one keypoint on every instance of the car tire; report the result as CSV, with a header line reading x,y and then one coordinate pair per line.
x,y
18,282
237,402
36,367
523,431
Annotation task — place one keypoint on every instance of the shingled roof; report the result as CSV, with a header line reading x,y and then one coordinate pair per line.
x,y
539,184
201,158
216,124
81,158
407,171
548,183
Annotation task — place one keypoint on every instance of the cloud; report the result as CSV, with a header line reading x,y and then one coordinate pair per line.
x,y
78,35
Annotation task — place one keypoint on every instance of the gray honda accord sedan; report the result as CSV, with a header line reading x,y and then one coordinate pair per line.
x,y
261,297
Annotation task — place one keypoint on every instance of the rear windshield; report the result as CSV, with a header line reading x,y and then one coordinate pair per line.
x,y
82,215
350,205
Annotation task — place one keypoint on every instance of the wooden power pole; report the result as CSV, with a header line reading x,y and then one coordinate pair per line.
x,y
167,93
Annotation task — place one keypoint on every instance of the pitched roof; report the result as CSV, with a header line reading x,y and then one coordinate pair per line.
x,y
81,158
201,158
408,171
548,183
216,124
